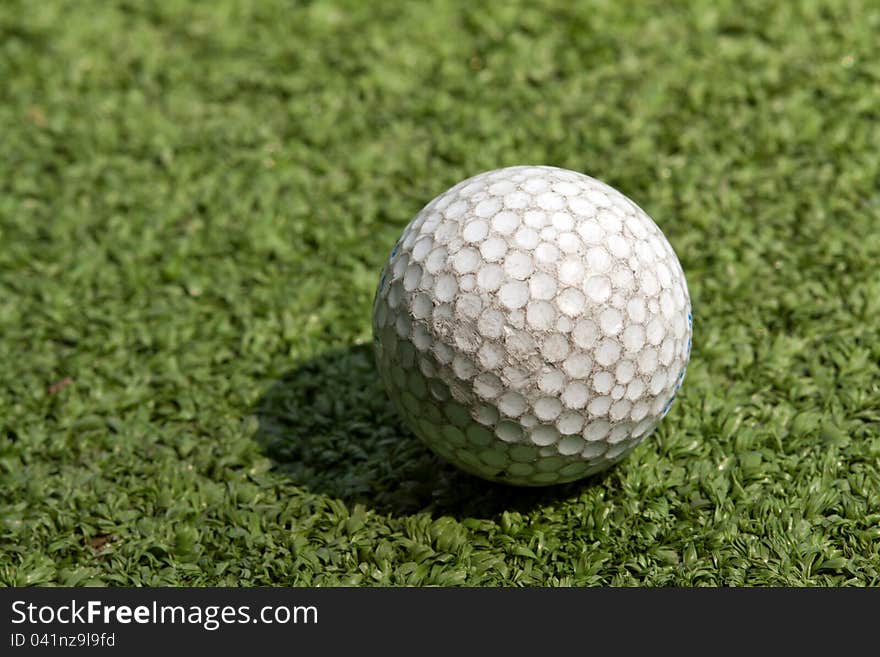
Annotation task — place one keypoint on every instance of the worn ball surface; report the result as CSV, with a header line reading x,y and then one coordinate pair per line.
x,y
532,325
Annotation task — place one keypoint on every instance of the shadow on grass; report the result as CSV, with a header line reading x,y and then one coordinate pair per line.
x,y
330,427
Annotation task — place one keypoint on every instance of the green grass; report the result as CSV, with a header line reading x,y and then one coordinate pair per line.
x,y
196,200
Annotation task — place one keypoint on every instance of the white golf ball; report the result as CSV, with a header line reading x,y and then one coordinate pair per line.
x,y
532,325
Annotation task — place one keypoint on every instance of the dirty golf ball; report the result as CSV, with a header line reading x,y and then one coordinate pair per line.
x,y
532,325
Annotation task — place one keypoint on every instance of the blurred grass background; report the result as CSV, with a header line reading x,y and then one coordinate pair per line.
x,y
196,200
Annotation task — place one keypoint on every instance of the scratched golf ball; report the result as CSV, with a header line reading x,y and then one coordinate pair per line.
x,y
532,325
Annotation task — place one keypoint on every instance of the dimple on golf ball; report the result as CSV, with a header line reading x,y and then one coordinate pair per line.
x,y
532,325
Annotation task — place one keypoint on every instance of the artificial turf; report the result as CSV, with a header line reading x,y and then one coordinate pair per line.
x,y
195,203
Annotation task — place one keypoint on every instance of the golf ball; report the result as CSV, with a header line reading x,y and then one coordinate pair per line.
x,y
532,325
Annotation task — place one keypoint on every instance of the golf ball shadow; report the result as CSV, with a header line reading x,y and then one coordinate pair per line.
x,y
330,427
